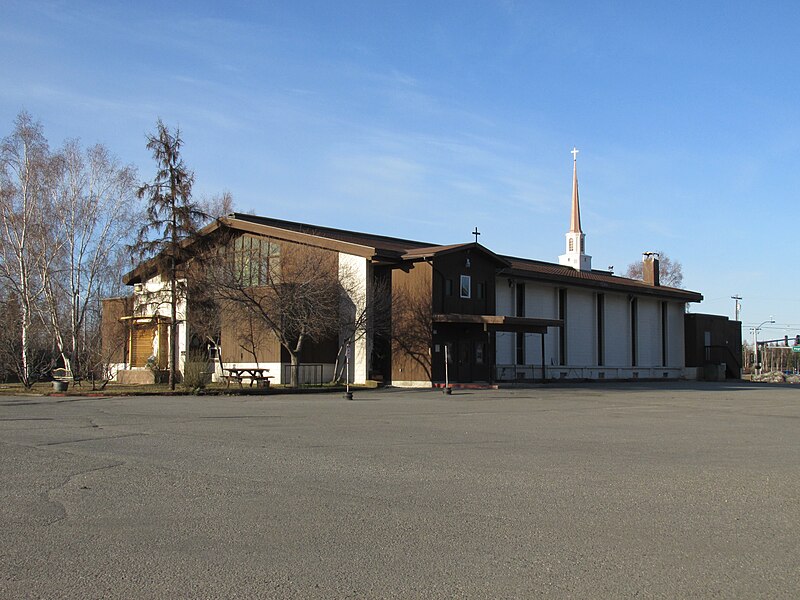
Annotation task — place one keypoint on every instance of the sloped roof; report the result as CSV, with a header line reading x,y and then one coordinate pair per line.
x,y
527,268
431,251
380,243
389,249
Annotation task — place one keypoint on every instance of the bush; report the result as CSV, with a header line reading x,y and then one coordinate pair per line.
x,y
195,373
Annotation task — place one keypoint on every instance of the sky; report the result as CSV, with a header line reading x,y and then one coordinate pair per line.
x,y
423,120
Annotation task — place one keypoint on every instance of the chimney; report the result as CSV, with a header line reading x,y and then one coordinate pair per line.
x,y
650,268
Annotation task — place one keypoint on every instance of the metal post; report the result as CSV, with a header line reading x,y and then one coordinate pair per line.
x,y
447,389
737,306
348,394
755,349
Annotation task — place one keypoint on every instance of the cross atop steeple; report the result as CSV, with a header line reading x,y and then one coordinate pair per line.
x,y
574,153
476,233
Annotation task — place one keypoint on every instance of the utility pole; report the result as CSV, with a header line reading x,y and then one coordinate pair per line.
x,y
738,306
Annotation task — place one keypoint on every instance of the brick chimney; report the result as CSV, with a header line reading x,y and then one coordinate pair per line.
x,y
650,268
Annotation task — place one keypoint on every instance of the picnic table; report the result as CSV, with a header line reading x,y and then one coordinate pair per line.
x,y
239,374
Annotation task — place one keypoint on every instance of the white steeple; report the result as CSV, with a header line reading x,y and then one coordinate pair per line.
x,y
575,255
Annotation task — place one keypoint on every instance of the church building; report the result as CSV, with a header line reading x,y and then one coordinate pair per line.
x,y
459,313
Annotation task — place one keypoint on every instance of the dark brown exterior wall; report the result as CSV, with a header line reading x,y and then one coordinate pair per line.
x,y
114,333
726,342
412,286
451,266
471,348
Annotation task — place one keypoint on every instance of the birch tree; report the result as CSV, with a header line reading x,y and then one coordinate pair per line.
x,y
25,178
92,214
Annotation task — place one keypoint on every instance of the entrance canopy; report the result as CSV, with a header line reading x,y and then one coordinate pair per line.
x,y
500,323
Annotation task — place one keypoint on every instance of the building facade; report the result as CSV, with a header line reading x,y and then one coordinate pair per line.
x,y
429,313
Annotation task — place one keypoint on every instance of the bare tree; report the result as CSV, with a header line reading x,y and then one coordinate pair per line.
x,y
670,272
291,290
171,218
365,313
217,206
92,212
25,178
412,327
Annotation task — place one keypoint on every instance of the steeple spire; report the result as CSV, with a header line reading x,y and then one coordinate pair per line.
x,y
575,221
575,255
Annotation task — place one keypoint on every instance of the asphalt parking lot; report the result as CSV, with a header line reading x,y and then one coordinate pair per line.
x,y
606,491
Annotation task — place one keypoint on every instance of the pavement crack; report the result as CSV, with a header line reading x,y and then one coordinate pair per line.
x,y
57,504
91,439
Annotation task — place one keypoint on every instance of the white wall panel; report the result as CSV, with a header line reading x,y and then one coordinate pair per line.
x,y
617,331
581,335
649,339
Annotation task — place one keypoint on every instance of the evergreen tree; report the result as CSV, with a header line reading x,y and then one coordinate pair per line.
x,y
170,218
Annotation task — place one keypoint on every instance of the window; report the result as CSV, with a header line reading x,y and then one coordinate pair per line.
x,y
601,303
466,286
480,290
448,287
256,260
634,331
664,333
520,348
562,331
571,244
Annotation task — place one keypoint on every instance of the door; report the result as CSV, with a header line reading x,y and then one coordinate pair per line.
x,y
466,361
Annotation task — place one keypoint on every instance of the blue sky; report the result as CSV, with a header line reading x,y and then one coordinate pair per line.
x,y
423,120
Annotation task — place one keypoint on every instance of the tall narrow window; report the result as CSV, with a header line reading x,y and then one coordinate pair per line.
x,y
634,331
256,260
664,333
562,332
571,244
448,287
519,310
466,286
601,303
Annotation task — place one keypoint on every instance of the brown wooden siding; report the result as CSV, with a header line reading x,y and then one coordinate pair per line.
x,y
245,338
142,337
114,334
411,290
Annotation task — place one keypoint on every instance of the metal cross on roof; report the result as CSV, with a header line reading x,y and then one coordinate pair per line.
x,y
574,153
476,233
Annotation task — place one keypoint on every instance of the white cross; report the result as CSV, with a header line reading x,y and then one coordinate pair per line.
x,y
574,153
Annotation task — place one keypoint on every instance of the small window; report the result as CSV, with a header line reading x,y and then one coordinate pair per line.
x,y
466,286
571,244
480,290
448,287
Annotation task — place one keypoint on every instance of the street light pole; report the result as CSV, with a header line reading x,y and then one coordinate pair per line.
x,y
755,345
